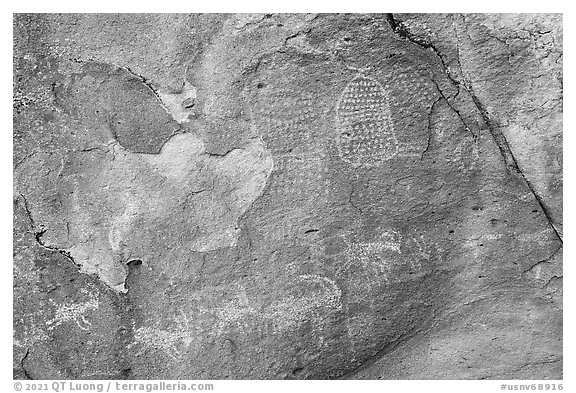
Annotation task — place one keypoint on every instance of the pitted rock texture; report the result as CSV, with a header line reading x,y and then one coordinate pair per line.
x,y
288,196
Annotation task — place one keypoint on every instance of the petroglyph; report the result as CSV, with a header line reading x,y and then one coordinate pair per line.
x,y
366,135
299,187
301,175
287,118
386,254
380,253
174,342
332,294
287,109
466,154
284,223
187,333
74,312
287,196
234,313
540,237
290,312
373,266
29,336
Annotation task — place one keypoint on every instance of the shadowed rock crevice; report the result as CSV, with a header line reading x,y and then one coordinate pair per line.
x,y
23,366
38,233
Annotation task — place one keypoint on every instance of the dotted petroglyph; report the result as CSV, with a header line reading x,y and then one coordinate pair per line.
x,y
290,312
298,190
366,134
233,314
288,118
300,175
365,129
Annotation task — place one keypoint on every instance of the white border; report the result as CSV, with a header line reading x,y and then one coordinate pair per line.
x,y
294,6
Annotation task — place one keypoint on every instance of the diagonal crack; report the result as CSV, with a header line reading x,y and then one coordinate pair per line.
x,y
553,278
399,29
512,165
147,83
443,96
509,158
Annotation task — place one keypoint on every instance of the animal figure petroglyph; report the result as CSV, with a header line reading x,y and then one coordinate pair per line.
x,y
316,297
187,333
74,312
174,341
379,253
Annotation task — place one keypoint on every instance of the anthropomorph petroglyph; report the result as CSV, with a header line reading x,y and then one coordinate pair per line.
x,y
365,130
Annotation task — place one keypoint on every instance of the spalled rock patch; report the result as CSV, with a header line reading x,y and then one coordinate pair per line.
x,y
118,104
137,200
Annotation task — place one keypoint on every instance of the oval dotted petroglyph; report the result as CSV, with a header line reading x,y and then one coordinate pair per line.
x,y
366,134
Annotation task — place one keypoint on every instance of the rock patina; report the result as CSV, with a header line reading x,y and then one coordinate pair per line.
x,y
280,196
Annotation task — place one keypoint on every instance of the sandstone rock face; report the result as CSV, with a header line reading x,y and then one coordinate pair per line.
x,y
288,196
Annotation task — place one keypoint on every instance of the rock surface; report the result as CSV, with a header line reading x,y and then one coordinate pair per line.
x,y
288,196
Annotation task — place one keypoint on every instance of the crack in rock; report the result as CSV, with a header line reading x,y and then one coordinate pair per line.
x,y
497,135
23,367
